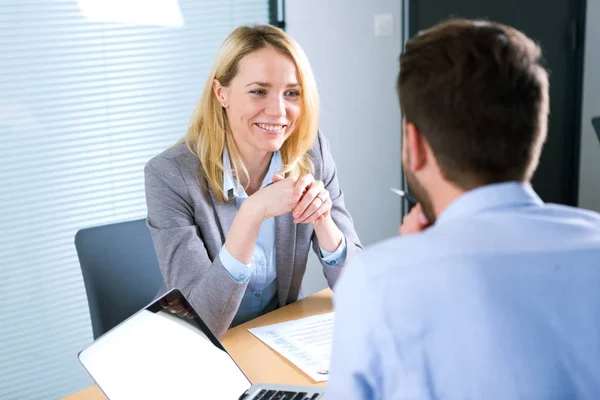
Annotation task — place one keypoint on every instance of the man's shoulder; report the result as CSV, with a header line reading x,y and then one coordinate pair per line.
x,y
573,214
397,256
474,237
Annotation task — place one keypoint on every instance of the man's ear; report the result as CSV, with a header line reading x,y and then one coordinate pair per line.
x,y
415,147
221,92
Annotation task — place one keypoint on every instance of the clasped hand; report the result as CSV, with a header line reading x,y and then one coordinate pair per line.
x,y
306,197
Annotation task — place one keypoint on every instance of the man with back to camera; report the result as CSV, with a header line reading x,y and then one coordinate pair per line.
x,y
488,293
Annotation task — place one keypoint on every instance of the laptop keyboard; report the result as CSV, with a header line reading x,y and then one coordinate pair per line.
x,y
284,395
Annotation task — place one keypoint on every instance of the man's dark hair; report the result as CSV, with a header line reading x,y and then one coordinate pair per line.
x,y
478,93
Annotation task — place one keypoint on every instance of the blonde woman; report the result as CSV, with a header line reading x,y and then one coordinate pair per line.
x,y
234,208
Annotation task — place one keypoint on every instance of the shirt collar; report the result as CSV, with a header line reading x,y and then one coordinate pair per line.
x,y
499,195
231,186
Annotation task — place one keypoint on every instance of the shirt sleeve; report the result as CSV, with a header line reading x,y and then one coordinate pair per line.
x,y
238,270
338,256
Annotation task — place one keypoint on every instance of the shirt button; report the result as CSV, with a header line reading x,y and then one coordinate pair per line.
x,y
261,262
257,295
241,277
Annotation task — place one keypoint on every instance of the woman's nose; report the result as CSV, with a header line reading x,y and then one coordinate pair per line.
x,y
276,107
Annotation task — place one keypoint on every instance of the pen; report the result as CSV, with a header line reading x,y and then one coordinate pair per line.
x,y
405,195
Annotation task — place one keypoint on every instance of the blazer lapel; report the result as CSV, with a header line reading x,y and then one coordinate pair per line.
x,y
226,213
285,249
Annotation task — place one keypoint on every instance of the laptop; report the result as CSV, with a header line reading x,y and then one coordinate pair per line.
x,y
156,354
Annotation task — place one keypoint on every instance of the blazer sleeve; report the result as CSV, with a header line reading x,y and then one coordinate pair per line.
x,y
339,213
180,249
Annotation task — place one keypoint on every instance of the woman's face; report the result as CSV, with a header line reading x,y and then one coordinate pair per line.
x,y
263,102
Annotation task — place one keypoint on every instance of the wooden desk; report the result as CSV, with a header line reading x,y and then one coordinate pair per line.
x,y
259,362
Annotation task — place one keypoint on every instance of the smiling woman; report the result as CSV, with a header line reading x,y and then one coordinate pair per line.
x,y
262,113
234,207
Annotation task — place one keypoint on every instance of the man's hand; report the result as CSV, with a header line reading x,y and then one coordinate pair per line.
x,y
413,222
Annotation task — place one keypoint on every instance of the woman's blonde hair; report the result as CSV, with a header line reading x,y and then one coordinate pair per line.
x,y
209,131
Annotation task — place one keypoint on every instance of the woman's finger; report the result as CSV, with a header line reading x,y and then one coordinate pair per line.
x,y
319,215
277,177
309,210
309,203
309,213
319,203
301,185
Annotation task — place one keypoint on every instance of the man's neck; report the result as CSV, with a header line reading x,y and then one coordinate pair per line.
x,y
444,194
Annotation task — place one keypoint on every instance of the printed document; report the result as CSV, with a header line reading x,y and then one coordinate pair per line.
x,y
305,342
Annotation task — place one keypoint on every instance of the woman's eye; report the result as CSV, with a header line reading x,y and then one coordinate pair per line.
x,y
260,92
292,93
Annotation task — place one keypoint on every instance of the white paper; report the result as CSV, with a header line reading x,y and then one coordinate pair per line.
x,y
161,356
305,342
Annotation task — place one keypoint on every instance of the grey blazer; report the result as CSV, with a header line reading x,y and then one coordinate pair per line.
x,y
189,225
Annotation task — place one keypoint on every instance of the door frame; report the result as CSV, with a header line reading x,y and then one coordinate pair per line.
x,y
277,13
576,70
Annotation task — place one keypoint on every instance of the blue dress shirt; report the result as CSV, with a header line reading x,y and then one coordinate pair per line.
x,y
500,299
261,294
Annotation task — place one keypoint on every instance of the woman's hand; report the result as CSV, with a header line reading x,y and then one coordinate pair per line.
x,y
271,201
413,222
314,206
314,202
276,199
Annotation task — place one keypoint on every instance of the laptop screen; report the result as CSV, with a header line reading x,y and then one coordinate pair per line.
x,y
156,354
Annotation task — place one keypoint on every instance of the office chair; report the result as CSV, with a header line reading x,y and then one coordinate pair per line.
x,y
120,271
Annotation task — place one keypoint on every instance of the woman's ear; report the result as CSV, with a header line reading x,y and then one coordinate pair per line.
x,y
221,92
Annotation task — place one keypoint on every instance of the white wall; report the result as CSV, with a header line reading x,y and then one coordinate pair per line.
x,y
589,180
356,72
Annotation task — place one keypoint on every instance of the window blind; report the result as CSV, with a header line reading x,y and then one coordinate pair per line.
x,y
90,90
